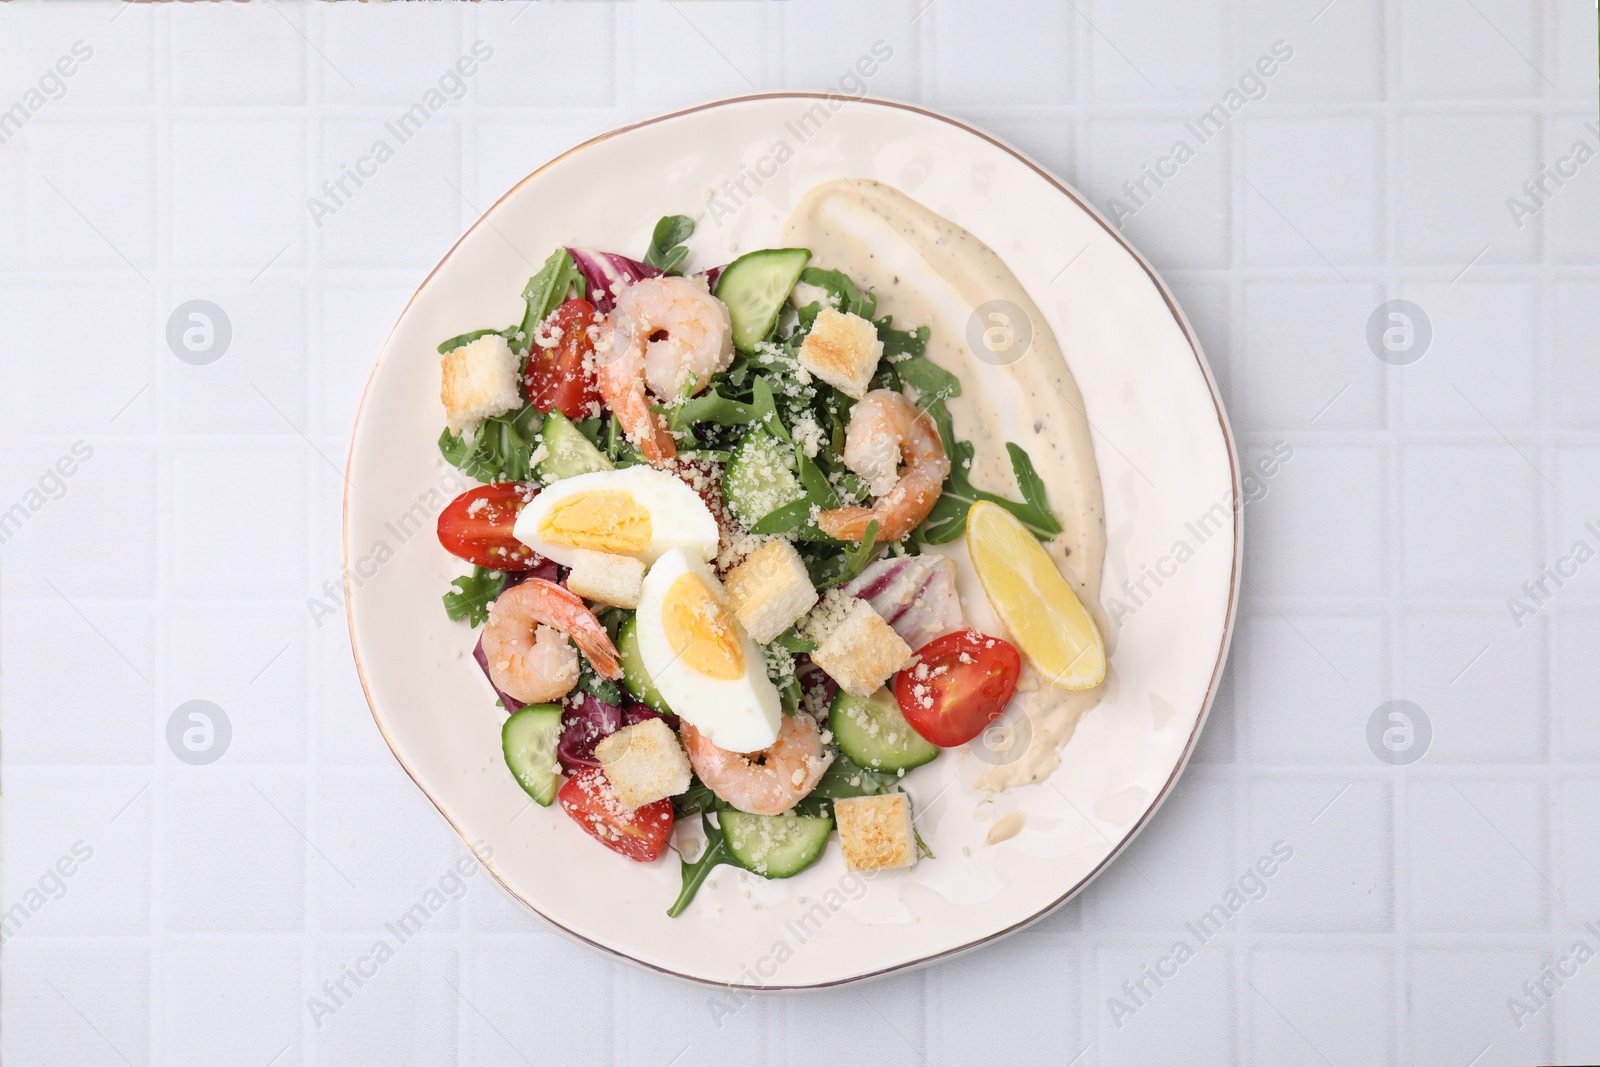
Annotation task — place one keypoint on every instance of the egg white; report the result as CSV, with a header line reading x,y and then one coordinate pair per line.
x,y
678,517
740,714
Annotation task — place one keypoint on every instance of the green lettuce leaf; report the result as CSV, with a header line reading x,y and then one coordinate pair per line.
x,y
500,450
472,595
694,874
667,250
547,290
850,299
948,519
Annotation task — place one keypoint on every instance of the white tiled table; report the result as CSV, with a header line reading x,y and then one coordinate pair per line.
x,y
179,559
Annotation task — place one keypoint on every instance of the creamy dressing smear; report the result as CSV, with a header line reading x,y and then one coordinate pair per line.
x,y
927,271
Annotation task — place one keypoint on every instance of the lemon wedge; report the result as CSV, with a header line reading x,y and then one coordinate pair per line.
x,y
1046,619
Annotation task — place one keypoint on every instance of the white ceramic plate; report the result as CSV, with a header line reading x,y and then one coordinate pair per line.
x,y
1166,458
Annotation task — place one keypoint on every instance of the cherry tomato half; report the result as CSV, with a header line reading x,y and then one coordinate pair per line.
x,y
959,684
477,527
639,834
562,378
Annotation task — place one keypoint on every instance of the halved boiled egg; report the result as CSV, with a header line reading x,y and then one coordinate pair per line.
x,y
705,666
636,511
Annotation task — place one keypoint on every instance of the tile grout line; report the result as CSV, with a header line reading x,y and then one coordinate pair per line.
x,y
1549,513
161,301
1398,1037
313,137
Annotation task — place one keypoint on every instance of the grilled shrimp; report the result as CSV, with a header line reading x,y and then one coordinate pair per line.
x,y
526,646
662,331
885,431
769,782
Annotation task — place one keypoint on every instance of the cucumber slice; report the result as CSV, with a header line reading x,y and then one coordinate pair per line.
x,y
528,740
760,477
754,287
873,734
774,846
634,677
567,452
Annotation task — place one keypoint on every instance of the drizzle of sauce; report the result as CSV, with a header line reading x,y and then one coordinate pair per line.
x,y
1005,828
940,275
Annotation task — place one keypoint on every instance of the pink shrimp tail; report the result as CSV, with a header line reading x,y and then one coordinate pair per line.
x,y
574,617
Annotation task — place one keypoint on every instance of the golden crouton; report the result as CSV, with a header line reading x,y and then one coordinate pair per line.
x,y
480,381
855,647
769,590
644,763
875,833
843,350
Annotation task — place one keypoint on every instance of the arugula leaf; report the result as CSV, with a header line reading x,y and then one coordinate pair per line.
x,y
849,298
694,874
603,690
948,519
547,290
849,562
850,482
464,339
500,451
931,381
857,557
782,520
591,429
898,344
674,410
773,359
710,406
615,444
697,798
817,487
790,695
667,250
765,407
611,618
714,407
472,595
806,317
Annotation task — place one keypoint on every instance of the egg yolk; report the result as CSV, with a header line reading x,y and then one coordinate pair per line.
x,y
700,630
605,520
